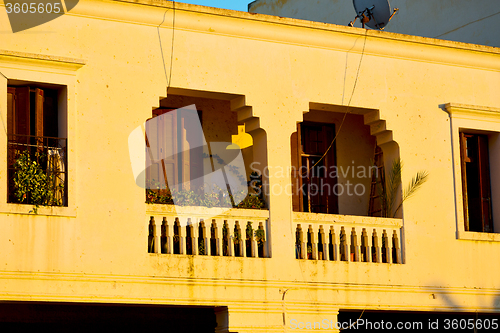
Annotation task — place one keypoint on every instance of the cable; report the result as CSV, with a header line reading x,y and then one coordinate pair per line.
x,y
161,47
172,50
348,104
462,26
169,76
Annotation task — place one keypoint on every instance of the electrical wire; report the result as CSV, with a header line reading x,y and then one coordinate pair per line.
x,y
172,49
463,26
348,104
168,77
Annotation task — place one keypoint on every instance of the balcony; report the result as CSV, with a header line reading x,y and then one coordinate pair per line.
x,y
188,230
245,233
347,238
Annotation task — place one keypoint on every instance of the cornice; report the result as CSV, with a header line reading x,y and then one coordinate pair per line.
x,y
229,23
466,110
40,60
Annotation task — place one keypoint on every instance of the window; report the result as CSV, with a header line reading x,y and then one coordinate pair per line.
x,y
476,185
314,186
34,145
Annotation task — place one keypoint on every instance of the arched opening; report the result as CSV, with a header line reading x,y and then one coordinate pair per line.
x,y
199,153
340,157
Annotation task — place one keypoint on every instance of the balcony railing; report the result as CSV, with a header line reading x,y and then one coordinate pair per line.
x,y
208,231
51,177
347,238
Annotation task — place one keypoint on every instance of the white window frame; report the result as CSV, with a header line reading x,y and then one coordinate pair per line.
x,y
481,120
35,68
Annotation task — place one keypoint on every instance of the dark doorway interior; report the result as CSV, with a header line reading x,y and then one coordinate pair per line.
x,y
81,317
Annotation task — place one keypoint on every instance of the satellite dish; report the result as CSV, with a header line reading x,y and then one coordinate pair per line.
x,y
376,14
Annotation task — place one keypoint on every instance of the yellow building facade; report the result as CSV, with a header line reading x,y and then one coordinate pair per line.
x,y
109,64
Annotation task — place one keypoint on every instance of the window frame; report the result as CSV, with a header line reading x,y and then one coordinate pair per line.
x,y
27,68
328,131
475,120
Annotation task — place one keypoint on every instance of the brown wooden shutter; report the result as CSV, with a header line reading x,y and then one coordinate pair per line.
x,y
463,160
39,112
184,151
296,167
196,141
476,187
39,116
11,111
484,183
167,146
22,118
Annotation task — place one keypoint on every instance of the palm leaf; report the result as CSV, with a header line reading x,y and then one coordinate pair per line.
x,y
393,184
415,184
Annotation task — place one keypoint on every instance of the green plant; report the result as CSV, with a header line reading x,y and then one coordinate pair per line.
x,y
201,247
390,206
260,236
249,230
32,184
213,198
237,237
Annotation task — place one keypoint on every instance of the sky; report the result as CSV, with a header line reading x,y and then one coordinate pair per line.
x,y
241,5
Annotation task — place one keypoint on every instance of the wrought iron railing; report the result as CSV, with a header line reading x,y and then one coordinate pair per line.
x,y
46,183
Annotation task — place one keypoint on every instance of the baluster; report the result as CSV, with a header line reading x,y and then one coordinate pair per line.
x,y
206,237
396,248
194,236
253,243
376,255
170,236
238,239
230,237
178,238
348,246
387,247
333,244
152,236
354,245
244,239
165,239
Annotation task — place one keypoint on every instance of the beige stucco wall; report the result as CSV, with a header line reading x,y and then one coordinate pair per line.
x,y
270,71
468,21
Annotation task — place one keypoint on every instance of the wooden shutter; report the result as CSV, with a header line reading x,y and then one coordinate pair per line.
x,y
476,187
184,152
39,115
163,141
484,183
315,139
11,111
39,99
196,142
296,168
463,160
22,117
